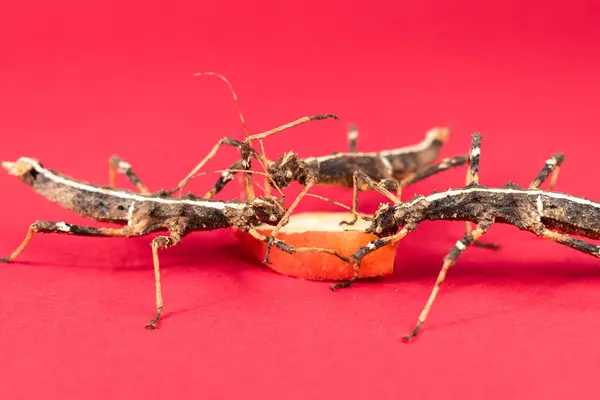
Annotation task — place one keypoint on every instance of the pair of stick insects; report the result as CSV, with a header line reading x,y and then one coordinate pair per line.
x,y
547,214
143,213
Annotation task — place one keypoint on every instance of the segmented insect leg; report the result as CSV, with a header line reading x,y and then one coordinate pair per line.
x,y
361,253
117,165
352,138
224,179
209,156
552,167
289,125
473,178
160,242
281,245
473,172
367,183
284,220
443,165
260,136
449,261
65,229
566,240
248,152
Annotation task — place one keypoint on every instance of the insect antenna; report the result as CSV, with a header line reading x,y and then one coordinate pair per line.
x,y
327,200
220,171
265,174
233,93
244,125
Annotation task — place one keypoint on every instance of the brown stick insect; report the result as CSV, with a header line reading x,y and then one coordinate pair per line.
x,y
547,214
143,213
403,166
392,169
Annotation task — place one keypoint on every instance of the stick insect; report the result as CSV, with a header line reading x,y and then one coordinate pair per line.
x,y
545,213
404,165
392,169
143,213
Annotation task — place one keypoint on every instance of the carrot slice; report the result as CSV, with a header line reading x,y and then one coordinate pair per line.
x,y
321,229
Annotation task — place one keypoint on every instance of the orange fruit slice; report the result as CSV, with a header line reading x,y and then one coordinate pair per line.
x,y
321,229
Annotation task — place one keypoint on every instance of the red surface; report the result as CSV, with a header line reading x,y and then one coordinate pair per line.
x,y
81,81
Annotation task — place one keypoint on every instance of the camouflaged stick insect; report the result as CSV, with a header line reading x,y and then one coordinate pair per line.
x,y
544,213
404,165
393,169
141,214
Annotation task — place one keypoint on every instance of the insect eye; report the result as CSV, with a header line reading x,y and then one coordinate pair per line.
x,y
272,218
288,174
379,229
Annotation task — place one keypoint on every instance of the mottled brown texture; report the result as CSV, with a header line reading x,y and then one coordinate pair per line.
x,y
518,208
533,210
338,169
551,166
142,214
246,154
99,206
443,165
117,165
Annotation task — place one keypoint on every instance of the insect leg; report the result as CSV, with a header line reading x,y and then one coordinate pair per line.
x,y
65,229
286,216
248,152
473,178
367,183
117,165
361,253
281,245
355,190
449,261
224,179
352,137
473,171
552,167
568,241
210,155
160,242
289,125
445,164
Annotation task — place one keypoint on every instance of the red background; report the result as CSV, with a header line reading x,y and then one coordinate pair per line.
x,y
83,80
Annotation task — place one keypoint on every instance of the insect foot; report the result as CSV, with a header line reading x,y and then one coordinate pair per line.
x,y
337,286
284,246
351,222
325,116
412,334
271,241
5,260
355,261
152,325
486,245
